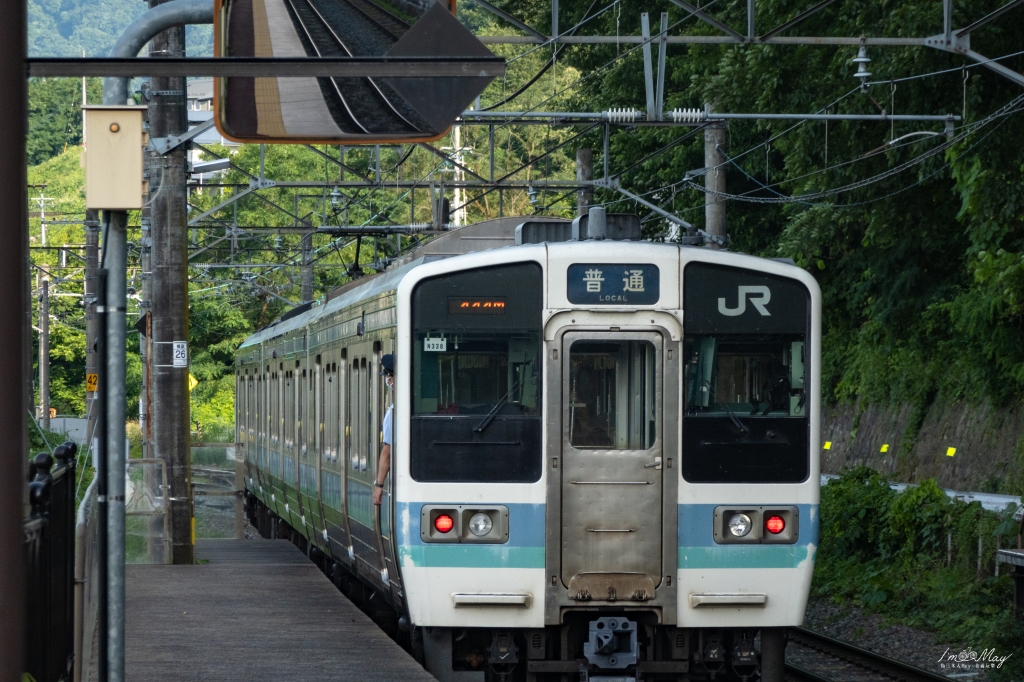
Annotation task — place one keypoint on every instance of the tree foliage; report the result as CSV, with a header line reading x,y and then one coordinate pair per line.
x,y
922,270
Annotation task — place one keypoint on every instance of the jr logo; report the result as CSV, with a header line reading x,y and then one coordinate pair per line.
x,y
759,297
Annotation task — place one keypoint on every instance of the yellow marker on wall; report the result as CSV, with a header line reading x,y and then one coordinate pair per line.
x,y
950,452
828,445
885,447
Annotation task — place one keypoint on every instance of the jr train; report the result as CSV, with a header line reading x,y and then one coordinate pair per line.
x,y
605,459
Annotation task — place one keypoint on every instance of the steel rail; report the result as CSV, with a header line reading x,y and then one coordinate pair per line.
x,y
334,84
344,47
359,6
863,658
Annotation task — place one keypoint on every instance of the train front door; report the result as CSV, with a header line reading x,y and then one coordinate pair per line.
x,y
612,467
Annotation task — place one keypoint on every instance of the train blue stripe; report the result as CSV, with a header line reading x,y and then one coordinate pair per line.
x,y
524,549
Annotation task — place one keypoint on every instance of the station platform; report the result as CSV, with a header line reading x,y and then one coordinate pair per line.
x,y
258,610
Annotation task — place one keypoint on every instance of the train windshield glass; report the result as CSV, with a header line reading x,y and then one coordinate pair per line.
x,y
612,399
749,377
476,374
476,398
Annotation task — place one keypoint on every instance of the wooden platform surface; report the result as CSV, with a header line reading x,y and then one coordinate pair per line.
x,y
259,610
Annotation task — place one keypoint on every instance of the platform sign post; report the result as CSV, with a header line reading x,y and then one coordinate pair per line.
x,y
343,110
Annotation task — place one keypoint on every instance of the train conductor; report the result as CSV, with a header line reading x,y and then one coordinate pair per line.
x,y
384,461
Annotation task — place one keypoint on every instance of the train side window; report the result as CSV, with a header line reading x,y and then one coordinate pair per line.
x,y
352,420
365,414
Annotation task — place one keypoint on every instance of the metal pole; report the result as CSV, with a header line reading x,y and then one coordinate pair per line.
x,y
100,460
92,241
14,342
659,100
115,261
947,20
584,173
714,180
645,31
44,354
171,409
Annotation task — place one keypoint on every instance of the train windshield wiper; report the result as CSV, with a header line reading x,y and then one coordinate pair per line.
x,y
497,407
728,411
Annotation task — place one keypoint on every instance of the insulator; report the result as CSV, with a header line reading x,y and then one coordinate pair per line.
x,y
623,115
687,115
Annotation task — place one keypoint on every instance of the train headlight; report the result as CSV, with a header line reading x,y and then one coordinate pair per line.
x,y
739,525
480,525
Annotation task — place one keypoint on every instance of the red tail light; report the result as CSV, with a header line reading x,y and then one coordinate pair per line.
x,y
775,524
443,523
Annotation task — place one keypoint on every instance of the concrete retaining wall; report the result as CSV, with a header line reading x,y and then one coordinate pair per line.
x,y
984,437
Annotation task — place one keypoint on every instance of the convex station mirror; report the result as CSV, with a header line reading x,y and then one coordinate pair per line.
x,y
344,110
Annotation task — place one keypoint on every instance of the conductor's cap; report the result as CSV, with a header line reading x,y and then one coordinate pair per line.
x,y
387,364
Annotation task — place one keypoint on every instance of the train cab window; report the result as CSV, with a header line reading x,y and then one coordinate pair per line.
x,y
476,412
745,373
479,374
612,395
753,376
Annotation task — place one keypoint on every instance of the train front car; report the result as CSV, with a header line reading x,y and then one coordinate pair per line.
x,y
606,461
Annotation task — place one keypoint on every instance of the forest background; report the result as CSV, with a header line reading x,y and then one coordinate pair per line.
x,y
922,270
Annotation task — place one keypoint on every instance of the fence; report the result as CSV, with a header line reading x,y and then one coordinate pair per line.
x,y
87,594
49,563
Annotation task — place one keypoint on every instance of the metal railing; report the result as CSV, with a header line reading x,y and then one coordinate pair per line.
x,y
49,565
87,595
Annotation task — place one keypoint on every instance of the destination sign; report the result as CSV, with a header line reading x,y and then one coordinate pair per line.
x,y
613,284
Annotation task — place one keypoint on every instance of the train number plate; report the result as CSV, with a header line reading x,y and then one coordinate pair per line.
x,y
438,345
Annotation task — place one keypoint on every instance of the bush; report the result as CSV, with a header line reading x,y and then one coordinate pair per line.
x,y
913,556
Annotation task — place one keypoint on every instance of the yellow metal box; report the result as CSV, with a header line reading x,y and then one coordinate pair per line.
x,y
113,157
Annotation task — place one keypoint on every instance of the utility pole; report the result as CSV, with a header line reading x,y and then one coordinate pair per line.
x,y
459,217
44,353
714,181
169,417
307,267
584,174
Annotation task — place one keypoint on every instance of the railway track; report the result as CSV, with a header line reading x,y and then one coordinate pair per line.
x,y
823,659
358,105
384,19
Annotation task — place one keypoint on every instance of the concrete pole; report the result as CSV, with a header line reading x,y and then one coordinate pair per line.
x,y
15,341
44,354
168,390
584,173
307,267
92,241
714,181
115,92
